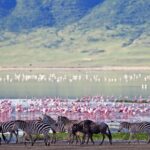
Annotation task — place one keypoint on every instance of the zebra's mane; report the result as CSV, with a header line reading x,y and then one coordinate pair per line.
x,y
63,118
48,119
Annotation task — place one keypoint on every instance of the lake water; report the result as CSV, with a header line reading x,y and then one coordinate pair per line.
x,y
30,94
73,84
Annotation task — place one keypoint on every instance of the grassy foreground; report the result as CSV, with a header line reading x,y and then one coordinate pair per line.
x,y
115,136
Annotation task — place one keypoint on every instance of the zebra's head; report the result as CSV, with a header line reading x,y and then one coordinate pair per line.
x,y
50,121
123,125
63,119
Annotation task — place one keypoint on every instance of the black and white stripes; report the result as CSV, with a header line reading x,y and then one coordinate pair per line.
x,y
8,127
34,127
133,128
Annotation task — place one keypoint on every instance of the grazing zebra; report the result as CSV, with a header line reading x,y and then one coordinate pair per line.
x,y
50,121
34,127
8,127
141,127
65,125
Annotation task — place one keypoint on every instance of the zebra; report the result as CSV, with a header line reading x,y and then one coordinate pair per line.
x,y
34,127
8,127
50,121
65,125
140,127
2,135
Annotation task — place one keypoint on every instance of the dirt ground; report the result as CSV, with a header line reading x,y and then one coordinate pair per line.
x,y
64,146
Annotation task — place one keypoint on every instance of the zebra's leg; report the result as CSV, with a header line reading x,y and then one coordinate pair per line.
x,y
71,138
137,138
11,134
102,139
148,138
36,137
32,141
28,137
4,138
130,138
46,139
53,138
24,138
16,135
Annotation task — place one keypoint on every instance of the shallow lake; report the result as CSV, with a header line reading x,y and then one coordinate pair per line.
x,y
73,84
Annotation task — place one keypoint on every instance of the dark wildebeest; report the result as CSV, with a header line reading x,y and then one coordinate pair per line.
x,y
89,128
65,125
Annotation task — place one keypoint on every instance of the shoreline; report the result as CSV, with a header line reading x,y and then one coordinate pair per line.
x,y
104,68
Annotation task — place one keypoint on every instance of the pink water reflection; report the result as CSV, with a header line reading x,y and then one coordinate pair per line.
x,y
94,108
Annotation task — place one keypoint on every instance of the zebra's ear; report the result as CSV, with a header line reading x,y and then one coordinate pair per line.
x,y
40,118
113,121
43,114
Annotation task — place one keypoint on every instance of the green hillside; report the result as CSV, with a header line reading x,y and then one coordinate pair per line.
x,y
110,33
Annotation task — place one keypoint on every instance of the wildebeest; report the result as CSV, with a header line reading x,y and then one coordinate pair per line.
x,y
89,128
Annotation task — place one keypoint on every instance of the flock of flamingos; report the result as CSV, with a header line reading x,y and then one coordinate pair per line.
x,y
94,108
75,77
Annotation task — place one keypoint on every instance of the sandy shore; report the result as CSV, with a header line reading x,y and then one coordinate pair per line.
x,y
60,146
105,68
